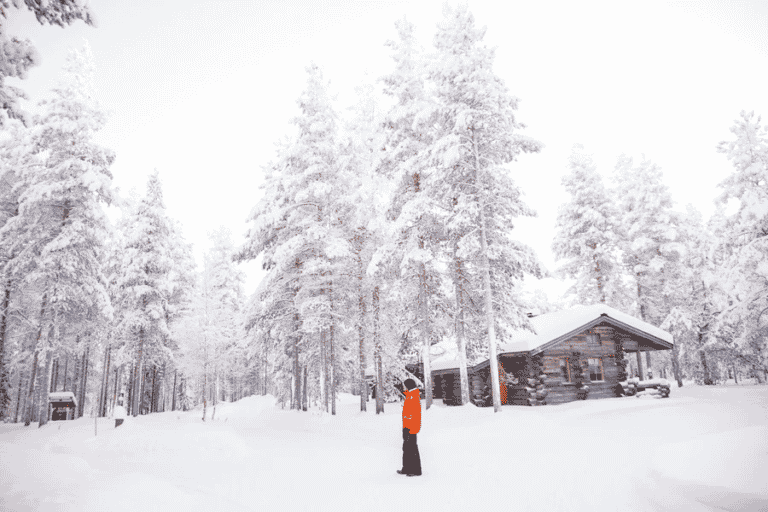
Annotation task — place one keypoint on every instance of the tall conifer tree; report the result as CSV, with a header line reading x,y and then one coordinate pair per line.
x,y
477,134
585,235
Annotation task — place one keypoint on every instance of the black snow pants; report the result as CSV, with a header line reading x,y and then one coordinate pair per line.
x,y
411,458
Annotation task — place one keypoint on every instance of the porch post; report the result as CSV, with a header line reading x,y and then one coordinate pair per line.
x,y
640,364
648,361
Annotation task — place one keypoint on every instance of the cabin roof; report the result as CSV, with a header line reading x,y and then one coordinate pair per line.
x,y
62,396
553,328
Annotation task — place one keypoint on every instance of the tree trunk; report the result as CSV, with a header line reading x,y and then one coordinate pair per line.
x,y
296,388
38,392
153,389
598,274
106,381
102,387
649,369
266,365
173,400
640,372
304,395
66,368
323,371
707,378
5,393
84,386
488,292
460,331
18,396
76,378
130,388
490,317
42,414
676,365
161,389
118,375
295,403
52,384
205,384
377,353
361,313
144,406
32,381
136,375
332,343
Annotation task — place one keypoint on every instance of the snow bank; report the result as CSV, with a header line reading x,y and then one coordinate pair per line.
x,y
663,454
741,457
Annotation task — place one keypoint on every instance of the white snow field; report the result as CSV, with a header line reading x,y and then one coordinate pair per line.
x,y
702,449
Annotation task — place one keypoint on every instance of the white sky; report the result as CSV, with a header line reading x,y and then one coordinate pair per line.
x,y
201,90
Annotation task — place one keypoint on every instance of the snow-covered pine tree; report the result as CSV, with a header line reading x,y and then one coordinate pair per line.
x,y
299,226
746,268
61,202
648,232
648,240
367,200
585,235
692,293
414,247
146,281
14,150
477,134
17,55
225,301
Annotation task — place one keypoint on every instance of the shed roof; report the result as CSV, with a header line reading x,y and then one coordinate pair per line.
x,y
62,396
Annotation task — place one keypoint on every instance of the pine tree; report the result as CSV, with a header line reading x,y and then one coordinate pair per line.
x,y
477,134
585,235
648,242
61,206
414,248
13,152
147,281
694,299
17,55
746,240
360,152
300,226
649,236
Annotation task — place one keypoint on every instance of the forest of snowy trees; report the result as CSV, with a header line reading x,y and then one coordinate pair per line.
x,y
382,232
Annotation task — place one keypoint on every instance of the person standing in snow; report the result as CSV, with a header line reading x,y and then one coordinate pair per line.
x,y
411,427
119,412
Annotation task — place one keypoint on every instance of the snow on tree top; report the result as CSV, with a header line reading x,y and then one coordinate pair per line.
x,y
551,326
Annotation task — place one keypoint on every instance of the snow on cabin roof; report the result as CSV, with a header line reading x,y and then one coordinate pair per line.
x,y
551,326
62,396
444,349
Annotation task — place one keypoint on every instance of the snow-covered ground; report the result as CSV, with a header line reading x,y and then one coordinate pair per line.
x,y
702,449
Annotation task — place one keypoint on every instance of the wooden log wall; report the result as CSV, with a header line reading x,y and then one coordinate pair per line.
x,y
561,391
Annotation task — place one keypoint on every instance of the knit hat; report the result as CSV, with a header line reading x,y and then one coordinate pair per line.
x,y
409,384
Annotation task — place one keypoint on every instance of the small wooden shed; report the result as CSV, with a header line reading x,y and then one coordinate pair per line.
x,y
539,366
62,405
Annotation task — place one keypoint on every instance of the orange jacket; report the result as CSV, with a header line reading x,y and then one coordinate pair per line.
x,y
412,411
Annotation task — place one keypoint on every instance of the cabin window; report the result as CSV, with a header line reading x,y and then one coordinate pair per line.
x,y
595,369
593,339
565,369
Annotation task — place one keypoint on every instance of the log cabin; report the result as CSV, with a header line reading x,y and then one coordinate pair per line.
x,y
545,366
